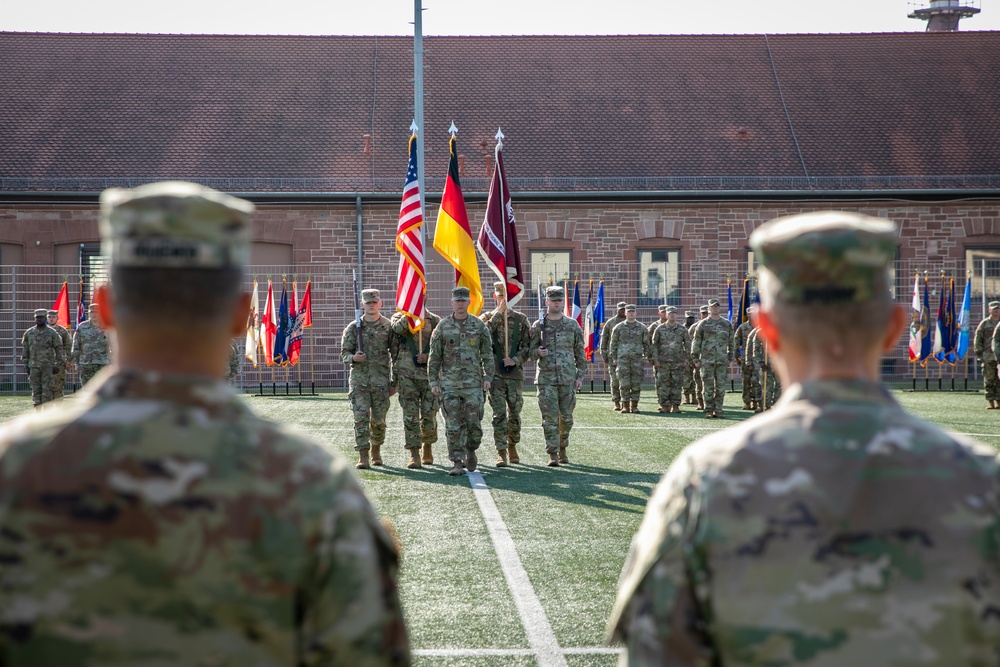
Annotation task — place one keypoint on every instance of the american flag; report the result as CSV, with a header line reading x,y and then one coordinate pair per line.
x,y
411,284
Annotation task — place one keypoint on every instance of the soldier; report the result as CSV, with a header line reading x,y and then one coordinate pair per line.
x,y
90,346
629,346
236,349
661,319
371,376
59,381
986,357
699,384
755,371
160,521
557,346
409,370
745,362
670,354
712,350
689,387
510,333
606,332
42,356
767,379
839,529
460,371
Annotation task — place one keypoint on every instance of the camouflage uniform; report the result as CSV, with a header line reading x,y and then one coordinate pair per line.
x,y
419,405
767,379
507,388
712,345
662,310
697,383
90,350
370,380
556,375
835,530
606,331
671,347
461,359
629,348
757,398
743,358
59,379
983,347
42,352
236,349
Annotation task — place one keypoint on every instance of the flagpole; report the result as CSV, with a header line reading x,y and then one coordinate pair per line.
x,y
418,104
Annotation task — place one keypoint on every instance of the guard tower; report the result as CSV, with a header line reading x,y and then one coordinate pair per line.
x,y
944,15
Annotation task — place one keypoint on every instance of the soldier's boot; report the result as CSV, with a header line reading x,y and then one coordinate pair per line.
x,y
701,403
562,456
992,405
376,455
747,406
626,407
363,462
512,453
553,459
718,414
414,459
426,455
471,461
635,407
457,468
618,406
501,458
660,408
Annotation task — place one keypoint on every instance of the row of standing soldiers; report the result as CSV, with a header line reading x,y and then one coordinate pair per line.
x,y
692,357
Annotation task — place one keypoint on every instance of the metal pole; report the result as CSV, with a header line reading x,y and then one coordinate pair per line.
x,y
984,289
361,257
418,102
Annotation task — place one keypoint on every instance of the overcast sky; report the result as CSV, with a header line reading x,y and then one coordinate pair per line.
x,y
475,17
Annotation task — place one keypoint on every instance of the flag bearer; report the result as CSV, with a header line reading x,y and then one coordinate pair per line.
x,y
409,368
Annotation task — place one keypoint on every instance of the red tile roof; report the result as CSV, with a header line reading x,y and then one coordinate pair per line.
x,y
625,108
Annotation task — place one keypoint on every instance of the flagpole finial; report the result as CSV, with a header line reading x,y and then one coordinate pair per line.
x,y
498,136
453,130
413,126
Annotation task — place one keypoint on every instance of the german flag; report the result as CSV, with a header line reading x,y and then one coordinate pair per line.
x,y
453,236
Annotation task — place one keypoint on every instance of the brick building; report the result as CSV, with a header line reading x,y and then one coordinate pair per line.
x,y
645,161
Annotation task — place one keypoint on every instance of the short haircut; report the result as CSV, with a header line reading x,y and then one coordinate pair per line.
x,y
201,296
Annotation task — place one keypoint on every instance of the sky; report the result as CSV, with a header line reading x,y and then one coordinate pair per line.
x,y
477,17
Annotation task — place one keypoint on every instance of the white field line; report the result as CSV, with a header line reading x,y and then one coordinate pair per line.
x,y
541,637
481,652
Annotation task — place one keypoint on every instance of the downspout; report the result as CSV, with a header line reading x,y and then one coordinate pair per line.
x,y
361,256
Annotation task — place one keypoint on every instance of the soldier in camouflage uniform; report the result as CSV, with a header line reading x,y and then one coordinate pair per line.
x,y
983,346
661,311
90,346
42,356
837,529
754,371
236,349
507,388
689,321
59,381
157,519
698,394
606,331
629,348
460,371
670,354
371,378
409,370
712,350
557,346
766,378
745,361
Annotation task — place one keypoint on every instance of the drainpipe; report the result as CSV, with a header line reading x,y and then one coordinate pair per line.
x,y
361,281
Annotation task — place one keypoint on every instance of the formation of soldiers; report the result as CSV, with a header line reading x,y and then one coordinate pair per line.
x,y
48,349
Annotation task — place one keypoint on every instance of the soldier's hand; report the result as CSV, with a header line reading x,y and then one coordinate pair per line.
x,y
436,391
486,385
359,357
542,352
421,358
55,370
507,361
579,383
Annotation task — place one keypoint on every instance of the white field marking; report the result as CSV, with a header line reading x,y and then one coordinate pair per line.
x,y
541,638
482,652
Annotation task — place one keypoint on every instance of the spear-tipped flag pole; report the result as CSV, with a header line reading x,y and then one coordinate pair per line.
x,y
964,319
588,326
497,240
253,328
411,284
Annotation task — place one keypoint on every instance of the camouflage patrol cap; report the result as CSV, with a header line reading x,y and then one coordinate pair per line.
x,y
498,287
662,308
460,294
673,309
827,256
370,296
714,302
629,307
621,304
554,292
689,313
994,304
93,307
703,309
53,312
174,224
41,311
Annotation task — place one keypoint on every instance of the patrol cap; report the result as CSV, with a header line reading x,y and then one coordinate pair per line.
x,y
42,312
174,224
662,308
994,304
554,292
460,294
370,296
629,307
714,302
689,313
827,256
498,287
673,309
93,307
703,309
621,304
53,312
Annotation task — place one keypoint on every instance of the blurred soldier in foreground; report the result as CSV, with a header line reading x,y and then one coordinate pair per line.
x,y
409,369
156,519
59,381
629,348
712,350
835,529
670,353
983,346
42,355
460,370
606,332
557,346
90,346
371,375
510,332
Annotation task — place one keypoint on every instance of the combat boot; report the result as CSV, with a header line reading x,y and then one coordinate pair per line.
x,y
471,461
363,462
709,414
626,407
553,459
512,453
426,455
718,414
660,408
701,403
376,455
457,468
747,406
414,459
618,406
562,456
501,458
635,407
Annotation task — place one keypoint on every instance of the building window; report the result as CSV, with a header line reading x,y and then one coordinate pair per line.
x,y
659,277
983,264
552,268
93,269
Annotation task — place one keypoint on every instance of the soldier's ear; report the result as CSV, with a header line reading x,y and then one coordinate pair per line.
x,y
898,322
103,297
769,331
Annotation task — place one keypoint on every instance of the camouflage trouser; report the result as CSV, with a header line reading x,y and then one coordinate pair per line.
x,y
370,405
746,374
990,382
616,390
420,407
670,379
713,377
630,372
88,371
506,400
773,388
40,378
689,374
699,383
463,417
59,383
556,403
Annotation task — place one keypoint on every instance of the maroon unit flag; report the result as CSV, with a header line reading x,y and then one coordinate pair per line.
x,y
497,240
